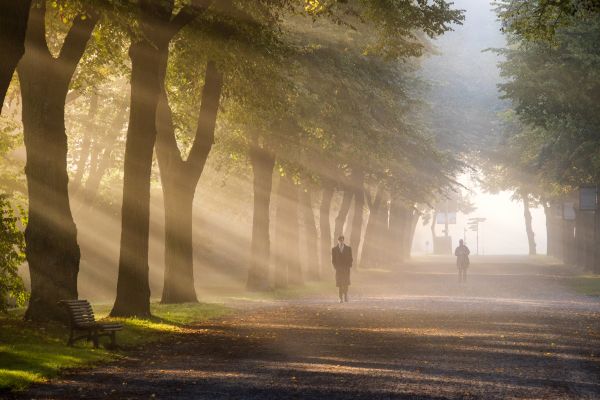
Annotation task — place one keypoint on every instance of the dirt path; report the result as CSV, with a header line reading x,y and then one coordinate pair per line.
x,y
514,331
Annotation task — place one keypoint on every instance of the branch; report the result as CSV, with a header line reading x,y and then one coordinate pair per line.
x,y
187,14
76,41
35,38
167,151
205,132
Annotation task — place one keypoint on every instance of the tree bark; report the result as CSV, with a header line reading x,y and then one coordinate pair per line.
x,y
51,235
324,224
179,180
13,27
310,236
369,250
262,162
148,55
528,227
340,220
280,263
358,178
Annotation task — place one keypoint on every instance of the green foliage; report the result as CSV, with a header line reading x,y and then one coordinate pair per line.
x,y
12,255
541,20
555,93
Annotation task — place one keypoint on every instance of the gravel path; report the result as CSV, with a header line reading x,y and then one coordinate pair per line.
x,y
512,332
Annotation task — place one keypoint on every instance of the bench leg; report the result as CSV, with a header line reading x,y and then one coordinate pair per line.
x,y
95,339
70,342
113,340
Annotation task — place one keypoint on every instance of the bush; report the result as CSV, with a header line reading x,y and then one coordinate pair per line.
x,y
12,255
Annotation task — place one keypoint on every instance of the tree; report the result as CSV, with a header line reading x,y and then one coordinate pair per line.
x,y
148,53
179,179
51,236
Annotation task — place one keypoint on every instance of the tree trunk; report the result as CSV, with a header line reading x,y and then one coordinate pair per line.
x,y
411,234
280,260
148,56
51,235
179,180
179,269
528,228
295,266
369,251
13,27
148,66
399,221
357,220
310,236
262,162
324,225
340,220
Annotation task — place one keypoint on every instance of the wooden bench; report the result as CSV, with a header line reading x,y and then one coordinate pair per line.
x,y
81,319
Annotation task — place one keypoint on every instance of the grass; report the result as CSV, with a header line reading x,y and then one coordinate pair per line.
x,y
586,284
31,353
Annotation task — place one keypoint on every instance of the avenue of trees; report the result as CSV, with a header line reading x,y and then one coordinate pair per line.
x,y
551,144
311,98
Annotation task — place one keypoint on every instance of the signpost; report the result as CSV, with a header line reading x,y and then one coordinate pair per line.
x,y
474,226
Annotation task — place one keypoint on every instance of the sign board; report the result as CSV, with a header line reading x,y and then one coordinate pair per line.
x,y
440,218
447,205
569,211
587,198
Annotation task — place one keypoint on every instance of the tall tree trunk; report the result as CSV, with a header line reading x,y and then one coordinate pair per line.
x,y
179,180
133,288
262,162
310,236
280,260
358,178
369,250
148,55
411,234
528,227
324,224
399,219
51,235
178,196
13,26
295,266
340,220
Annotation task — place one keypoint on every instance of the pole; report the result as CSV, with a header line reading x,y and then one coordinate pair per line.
x,y
446,220
477,237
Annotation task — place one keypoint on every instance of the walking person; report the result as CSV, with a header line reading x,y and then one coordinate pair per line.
x,y
341,258
462,260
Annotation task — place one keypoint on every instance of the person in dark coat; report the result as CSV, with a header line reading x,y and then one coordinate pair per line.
x,y
462,260
341,258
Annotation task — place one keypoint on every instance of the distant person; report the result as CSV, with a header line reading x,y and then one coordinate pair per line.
x,y
462,260
341,258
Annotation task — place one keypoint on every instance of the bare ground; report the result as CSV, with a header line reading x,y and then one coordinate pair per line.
x,y
514,331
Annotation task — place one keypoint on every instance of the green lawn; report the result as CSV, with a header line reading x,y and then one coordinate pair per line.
x,y
586,284
34,352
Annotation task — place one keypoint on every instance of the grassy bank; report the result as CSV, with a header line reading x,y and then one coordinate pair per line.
x,y
35,352
586,284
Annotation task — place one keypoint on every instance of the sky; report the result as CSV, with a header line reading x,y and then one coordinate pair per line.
x,y
471,70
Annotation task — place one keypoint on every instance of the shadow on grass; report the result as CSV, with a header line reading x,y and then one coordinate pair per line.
x,y
33,352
